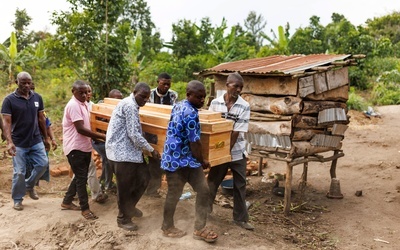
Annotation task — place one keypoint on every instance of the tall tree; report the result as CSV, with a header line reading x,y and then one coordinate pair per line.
x,y
386,26
255,24
104,25
22,21
337,34
309,40
186,39
138,14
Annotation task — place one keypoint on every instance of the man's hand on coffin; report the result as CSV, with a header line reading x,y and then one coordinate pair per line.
x,y
155,154
205,164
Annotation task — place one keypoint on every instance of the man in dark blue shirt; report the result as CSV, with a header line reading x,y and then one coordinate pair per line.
x,y
24,126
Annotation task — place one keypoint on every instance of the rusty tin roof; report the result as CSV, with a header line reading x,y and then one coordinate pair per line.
x,y
275,65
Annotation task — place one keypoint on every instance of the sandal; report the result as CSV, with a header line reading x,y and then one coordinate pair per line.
x,y
70,206
101,198
205,234
89,215
174,232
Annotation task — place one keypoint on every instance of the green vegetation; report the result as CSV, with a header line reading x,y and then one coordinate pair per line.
x,y
356,101
387,89
115,44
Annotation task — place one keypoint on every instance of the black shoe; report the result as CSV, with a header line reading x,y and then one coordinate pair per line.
x,y
18,206
137,213
127,225
32,193
244,225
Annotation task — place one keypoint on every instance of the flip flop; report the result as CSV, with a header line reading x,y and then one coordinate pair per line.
x,y
71,206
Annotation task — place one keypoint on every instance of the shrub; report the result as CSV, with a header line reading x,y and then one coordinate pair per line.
x,y
387,89
356,101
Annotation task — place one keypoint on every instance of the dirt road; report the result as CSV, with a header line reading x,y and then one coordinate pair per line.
x,y
371,221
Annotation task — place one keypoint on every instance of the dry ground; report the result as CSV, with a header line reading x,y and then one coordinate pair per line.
x,y
371,221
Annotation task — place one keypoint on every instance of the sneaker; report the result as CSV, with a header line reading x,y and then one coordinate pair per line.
x,y
137,213
127,225
32,193
18,206
244,225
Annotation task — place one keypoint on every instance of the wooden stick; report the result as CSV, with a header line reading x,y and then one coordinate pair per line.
x,y
102,238
72,245
316,158
383,241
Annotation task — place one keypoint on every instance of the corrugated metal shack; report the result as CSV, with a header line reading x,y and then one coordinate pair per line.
x,y
298,108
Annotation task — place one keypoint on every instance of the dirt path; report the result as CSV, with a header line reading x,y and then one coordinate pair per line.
x,y
371,164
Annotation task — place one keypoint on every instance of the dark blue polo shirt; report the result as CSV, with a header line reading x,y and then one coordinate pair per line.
x,y
25,130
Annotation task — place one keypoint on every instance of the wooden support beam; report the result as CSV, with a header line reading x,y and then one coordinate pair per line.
x,y
318,158
336,155
288,189
260,163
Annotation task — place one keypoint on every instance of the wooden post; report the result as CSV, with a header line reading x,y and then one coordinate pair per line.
x,y
303,182
288,188
260,166
333,165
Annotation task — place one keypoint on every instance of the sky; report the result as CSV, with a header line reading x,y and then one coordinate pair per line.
x,y
166,12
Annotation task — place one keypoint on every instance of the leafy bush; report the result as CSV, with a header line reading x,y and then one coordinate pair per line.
x,y
358,78
362,76
387,89
356,101
375,66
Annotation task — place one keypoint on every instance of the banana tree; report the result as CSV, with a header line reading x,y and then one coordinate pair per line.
x,y
134,55
39,57
279,43
11,59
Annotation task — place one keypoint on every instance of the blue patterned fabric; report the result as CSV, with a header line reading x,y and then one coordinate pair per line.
x,y
183,128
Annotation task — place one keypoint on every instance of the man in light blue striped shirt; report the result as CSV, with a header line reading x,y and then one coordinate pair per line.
x,y
233,107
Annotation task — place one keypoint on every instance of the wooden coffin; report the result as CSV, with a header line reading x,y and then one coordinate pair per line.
x,y
215,131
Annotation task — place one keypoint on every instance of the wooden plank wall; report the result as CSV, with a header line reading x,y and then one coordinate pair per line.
x,y
312,105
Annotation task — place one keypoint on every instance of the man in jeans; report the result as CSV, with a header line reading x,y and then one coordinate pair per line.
x,y
24,126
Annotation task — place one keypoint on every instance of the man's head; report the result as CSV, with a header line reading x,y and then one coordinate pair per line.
x,y
141,93
196,93
24,82
115,93
80,90
89,93
234,85
164,83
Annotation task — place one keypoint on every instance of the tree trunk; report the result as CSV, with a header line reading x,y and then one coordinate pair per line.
x,y
313,107
277,105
